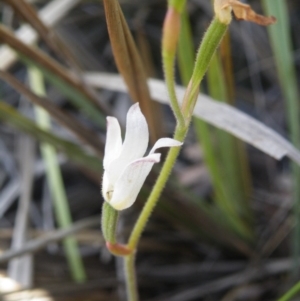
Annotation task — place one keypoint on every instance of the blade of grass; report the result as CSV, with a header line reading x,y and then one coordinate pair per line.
x,y
228,154
63,118
12,117
204,132
282,48
72,87
224,148
130,65
243,161
186,60
55,182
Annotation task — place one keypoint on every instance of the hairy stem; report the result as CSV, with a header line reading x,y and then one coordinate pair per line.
x,y
131,284
156,191
207,48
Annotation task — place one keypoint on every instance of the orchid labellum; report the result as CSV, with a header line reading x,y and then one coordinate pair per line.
x,y
241,11
125,168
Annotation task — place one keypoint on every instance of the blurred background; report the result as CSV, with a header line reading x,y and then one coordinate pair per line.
x,y
227,226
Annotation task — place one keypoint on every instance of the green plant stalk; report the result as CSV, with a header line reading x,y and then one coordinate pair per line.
x,y
291,292
208,47
171,32
143,218
131,283
56,183
282,47
168,64
156,191
204,132
209,44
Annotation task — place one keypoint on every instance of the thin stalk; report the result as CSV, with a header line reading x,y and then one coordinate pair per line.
x,y
129,261
208,47
209,44
56,182
204,132
171,32
156,191
168,63
131,283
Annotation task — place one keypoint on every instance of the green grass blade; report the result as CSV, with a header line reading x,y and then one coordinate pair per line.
x,y
55,181
228,152
204,134
282,47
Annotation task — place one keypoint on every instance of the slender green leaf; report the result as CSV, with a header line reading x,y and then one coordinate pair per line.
x,y
282,48
55,181
224,194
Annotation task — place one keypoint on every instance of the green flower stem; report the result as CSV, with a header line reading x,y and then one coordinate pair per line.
x,y
156,191
207,49
209,44
131,283
168,63
171,31
291,293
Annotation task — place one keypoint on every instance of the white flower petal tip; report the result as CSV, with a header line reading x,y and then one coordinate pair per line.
x,y
125,168
165,142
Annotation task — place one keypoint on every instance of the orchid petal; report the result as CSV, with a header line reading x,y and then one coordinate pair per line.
x,y
135,142
131,181
113,143
165,142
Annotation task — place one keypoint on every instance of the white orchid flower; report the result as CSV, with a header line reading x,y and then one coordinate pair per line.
x,y
125,168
